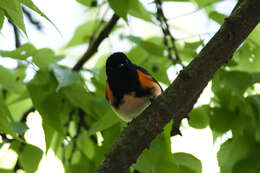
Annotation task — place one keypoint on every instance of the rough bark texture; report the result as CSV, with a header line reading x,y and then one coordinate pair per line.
x,y
181,95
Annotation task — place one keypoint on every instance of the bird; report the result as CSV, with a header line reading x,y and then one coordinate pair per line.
x,y
129,87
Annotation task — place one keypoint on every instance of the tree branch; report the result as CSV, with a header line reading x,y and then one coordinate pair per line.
x,y
181,95
31,19
94,45
168,37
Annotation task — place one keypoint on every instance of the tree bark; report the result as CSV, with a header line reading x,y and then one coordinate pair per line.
x,y
181,95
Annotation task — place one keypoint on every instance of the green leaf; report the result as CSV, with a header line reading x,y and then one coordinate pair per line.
x,y
10,80
120,7
49,134
19,127
47,101
14,12
20,53
80,97
83,33
199,117
86,145
253,38
5,117
2,17
18,108
108,120
43,58
155,65
221,119
158,158
232,151
137,9
177,0
6,170
237,81
109,135
254,102
193,45
217,17
88,3
32,6
165,167
65,77
82,165
248,165
246,55
30,158
188,163
7,78
149,46
203,3
152,48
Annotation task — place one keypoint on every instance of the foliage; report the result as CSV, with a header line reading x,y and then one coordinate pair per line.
x,y
75,116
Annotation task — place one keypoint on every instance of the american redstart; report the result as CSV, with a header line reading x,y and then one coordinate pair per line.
x,y
129,88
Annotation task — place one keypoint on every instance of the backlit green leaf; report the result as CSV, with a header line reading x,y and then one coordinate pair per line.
x,y
231,152
2,17
83,33
20,53
6,119
6,170
107,120
43,58
120,7
203,3
155,65
217,17
86,145
10,80
32,6
47,101
221,119
247,55
158,158
19,128
13,10
65,77
79,96
30,158
88,3
248,165
188,163
137,9
199,117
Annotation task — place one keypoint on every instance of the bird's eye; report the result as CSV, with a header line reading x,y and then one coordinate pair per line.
x,y
120,65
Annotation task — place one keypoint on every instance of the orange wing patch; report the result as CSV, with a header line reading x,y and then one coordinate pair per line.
x,y
147,81
109,95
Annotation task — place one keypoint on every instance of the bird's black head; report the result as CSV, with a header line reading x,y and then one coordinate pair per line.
x,y
118,64
121,73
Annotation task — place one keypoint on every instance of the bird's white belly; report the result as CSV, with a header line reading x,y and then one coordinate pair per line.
x,y
132,107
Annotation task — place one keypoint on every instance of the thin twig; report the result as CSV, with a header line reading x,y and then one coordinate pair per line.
x,y
31,19
16,35
74,141
97,26
26,113
92,49
168,37
81,123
